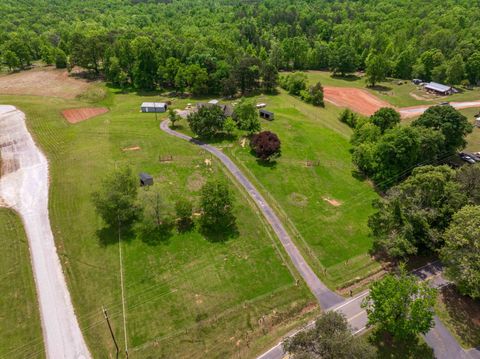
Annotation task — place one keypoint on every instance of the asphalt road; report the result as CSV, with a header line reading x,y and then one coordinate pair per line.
x,y
325,296
24,188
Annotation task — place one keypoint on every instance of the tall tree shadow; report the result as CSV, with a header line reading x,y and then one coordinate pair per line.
x,y
220,235
153,236
390,348
110,234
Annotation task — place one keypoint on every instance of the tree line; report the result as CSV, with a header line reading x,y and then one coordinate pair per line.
x,y
224,46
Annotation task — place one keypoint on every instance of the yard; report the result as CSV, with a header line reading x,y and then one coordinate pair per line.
x,y
185,296
19,316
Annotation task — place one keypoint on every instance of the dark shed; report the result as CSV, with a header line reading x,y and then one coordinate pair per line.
x,y
267,115
145,179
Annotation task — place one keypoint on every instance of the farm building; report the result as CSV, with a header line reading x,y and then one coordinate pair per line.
x,y
154,107
145,179
439,88
267,115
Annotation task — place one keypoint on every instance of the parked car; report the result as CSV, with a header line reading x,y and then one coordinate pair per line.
x,y
466,158
475,157
445,103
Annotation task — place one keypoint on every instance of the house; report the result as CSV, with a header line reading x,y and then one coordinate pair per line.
x,y
439,89
145,179
154,107
267,115
226,109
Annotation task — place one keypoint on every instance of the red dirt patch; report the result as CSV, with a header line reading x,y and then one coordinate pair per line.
x,y
81,114
333,202
357,100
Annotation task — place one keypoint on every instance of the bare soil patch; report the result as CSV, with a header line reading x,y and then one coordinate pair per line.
x,y
298,199
333,202
43,81
131,148
357,100
76,115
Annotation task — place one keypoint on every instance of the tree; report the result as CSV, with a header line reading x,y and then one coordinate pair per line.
x,y
472,68
229,126
247,74
294,83
455,70
153,208
385,118
115,201
401,305
349,118
184,209
270,78
11,60
331,338
313,95
216,203
468,178
412,216
266,145
207,121
461,251
173,116
48,55
377,69
450,122
60,59
145,64
343,60
88,49
245,113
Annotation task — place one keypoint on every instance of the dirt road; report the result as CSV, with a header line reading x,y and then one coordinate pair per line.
x,y
24,188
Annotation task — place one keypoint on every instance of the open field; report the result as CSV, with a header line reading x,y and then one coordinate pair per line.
x,y
42,81
184,294
405,95
312,187
358,100
20,328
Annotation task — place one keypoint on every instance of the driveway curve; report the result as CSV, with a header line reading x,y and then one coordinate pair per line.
x,y
325,296
24,188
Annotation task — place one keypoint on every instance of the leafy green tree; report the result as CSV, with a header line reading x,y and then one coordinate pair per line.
x,y
115,201
48,55
173,116
11,60
472,68
349,118
216,203
60,59
365,132
294,83
343,60
154,211
88,49
313,95
377,69
455,70
468,179
403,65
413,215
247,74
207,121
245,113
454,126
145,64
270,78
331,338
184,210
385,118
401,305
461,251
229,126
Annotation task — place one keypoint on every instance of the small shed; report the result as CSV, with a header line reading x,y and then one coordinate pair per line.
x,y
439,88
477,121
154,107
145,179
213,102
267,115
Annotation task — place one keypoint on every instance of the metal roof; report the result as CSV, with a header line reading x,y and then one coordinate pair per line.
x,y
266,112
154,104
145,176
437,87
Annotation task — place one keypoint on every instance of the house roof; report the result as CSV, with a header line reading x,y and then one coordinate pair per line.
x,y
145,176
154,104
266,112
437,87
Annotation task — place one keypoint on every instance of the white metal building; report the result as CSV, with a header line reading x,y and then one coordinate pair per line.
x,y
154,107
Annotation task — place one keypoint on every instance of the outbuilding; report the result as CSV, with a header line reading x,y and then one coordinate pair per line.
x,y
267,115
154,107
439,88
145,179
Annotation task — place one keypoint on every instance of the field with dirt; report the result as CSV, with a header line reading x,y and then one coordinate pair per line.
x,y
357,100
43,81
76,115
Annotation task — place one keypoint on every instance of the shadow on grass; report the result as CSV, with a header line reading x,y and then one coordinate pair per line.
x,y
153,235
391,348
110,235
347,77
380,88
222,235
465,314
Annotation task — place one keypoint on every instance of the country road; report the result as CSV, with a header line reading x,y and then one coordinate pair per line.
x,y
325,296
415,111
24,188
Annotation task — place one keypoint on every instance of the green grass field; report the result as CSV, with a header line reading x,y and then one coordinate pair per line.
x,y
333,239
20,328
390,91
185,296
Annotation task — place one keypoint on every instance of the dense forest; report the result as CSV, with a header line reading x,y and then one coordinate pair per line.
x,y
222,46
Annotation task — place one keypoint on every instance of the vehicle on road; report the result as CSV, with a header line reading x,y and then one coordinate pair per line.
x,y
467,158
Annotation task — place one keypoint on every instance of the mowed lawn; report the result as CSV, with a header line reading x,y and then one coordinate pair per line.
x,y
315,167
20,328
186,297
399,95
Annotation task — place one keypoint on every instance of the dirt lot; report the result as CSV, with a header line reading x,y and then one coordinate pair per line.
x,y
43,81
357,100
81,114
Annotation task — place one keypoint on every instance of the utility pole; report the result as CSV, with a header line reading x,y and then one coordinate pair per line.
x,y
105,314
155,109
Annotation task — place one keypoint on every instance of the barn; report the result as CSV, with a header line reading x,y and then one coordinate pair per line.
x,y
154,107
439,88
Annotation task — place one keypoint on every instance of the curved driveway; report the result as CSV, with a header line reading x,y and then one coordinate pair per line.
x,y
24,188
325,296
